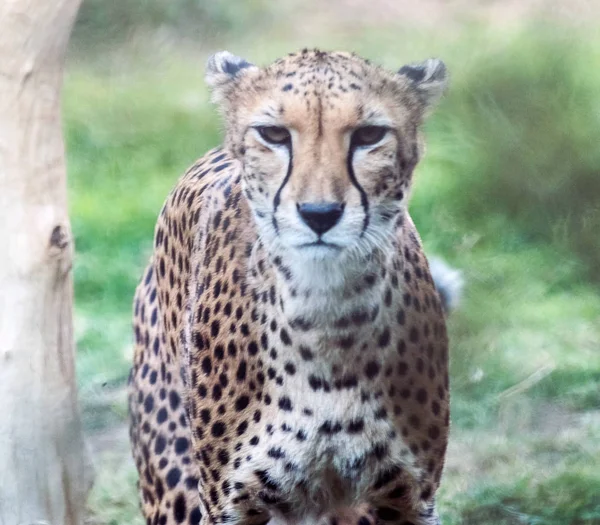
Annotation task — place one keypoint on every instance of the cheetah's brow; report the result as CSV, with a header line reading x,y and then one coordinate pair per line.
x,y
378,117
264,118
380,122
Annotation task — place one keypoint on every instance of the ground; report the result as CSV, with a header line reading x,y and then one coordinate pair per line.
x,y
505,193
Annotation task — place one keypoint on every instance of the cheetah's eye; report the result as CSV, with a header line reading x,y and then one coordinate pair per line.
x,y
274,134
368,135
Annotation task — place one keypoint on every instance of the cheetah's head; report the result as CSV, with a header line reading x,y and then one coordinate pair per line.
x,y
327,143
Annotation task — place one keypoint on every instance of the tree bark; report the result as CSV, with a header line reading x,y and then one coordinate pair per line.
x,y
45,470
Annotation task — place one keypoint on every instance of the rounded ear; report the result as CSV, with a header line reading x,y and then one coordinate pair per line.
x,y
429,79
222,68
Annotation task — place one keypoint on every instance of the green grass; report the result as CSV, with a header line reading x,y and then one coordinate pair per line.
x,y
101,25
508,192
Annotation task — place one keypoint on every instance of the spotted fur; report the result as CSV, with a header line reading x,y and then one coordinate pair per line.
x,y
281,376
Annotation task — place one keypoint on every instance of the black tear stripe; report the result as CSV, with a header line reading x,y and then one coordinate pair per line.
x,y
277,199
364,200
408,153
320,117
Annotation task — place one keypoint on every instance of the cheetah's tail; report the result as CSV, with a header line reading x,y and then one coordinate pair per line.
x,y
448,281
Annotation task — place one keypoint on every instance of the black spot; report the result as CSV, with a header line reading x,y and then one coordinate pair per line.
x,y
380,450
434,432
242,427
426,494
191,483
229,69
159,444
241,371
349,381
370,279
206,365
231,349
381,413
306,353
223,457
346,342
181,445
285,403
265,479
173,477
223,380
301,324
253,348
217,392
205,416
264,341
356,426
388,297
387,476
195,516
315,382
285,337
401,347
401,317
221,167
330,428
384,338
372,369
241,403
179,509
161,416
218,429
414,335
174,400
148,403
276,453
217,289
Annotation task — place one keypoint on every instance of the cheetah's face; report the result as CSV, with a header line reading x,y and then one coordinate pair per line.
x,y
328,143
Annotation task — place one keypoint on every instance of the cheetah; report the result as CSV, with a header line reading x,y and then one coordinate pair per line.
x,y
291,356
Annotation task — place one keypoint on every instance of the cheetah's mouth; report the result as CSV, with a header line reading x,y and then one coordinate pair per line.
x,y
321,244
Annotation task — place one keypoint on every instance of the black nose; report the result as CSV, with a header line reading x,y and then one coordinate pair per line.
x,y
321,216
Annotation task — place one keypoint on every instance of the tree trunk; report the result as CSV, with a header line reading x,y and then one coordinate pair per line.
x,y
45,470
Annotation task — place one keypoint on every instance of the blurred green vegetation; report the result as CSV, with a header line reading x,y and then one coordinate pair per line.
x,y
509,192
106,23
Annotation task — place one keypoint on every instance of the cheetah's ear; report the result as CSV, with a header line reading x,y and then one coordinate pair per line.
x,y
429,78
222,68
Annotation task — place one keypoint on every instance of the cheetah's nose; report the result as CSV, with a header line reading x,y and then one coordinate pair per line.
x,y
321,216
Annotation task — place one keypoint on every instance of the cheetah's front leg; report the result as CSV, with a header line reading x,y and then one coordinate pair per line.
x,y
368,515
